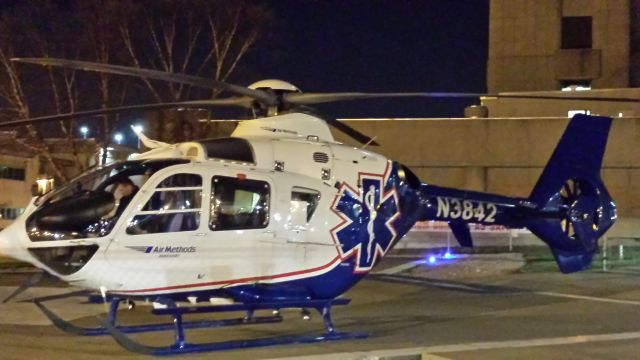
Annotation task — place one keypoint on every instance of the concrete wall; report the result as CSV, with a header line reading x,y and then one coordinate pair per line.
x,y
503,156
525,44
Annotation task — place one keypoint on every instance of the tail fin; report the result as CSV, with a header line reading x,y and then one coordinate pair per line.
x,y
570,187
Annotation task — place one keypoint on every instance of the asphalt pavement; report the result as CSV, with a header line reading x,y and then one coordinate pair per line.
x,y
410,315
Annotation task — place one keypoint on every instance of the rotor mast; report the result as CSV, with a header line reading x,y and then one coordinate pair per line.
x,y
278,88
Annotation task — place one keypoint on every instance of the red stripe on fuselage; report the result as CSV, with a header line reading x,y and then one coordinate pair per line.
x,y
229,282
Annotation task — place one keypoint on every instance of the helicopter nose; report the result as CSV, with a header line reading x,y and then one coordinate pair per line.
x,y
13,242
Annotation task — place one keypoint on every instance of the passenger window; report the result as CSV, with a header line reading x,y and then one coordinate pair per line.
x,y
174,200
238,204
182,180
174,206
304,202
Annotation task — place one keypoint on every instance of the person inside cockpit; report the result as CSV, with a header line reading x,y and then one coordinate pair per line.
x,y
123,191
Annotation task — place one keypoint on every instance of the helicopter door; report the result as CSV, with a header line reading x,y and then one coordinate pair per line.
x,y
162,225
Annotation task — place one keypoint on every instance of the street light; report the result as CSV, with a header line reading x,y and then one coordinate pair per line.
x,y
137,128
84,131
118,137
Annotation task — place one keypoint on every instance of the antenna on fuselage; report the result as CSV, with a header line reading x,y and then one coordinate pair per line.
x,y
368,142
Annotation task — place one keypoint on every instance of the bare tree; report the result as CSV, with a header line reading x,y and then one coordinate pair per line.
x,y
12,90
206,38
203,38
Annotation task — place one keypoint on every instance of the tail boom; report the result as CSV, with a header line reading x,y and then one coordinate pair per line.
x,y
569,208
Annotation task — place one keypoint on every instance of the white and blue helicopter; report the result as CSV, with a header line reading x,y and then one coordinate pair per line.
x,y
277,216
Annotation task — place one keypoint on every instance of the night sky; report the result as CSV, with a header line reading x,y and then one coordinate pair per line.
x,y
378,46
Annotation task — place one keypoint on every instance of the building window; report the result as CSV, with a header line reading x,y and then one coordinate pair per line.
x,y
173,207
10,214
11,173
571,113
576,32
239,204
575,85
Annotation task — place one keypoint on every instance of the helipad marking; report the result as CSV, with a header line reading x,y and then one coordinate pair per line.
x,y
567,340
429,351
399,268
589,298
428,282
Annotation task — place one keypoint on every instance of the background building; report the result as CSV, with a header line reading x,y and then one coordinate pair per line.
x,y
19,168
546,46
552,44
22,167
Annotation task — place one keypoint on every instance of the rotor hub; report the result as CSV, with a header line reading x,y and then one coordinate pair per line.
x,y
275,85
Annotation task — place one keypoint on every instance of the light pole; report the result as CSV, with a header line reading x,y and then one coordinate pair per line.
x,y
137,128
118,137
84,131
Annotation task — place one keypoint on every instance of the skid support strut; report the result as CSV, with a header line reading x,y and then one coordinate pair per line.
x,y
178,325
181,346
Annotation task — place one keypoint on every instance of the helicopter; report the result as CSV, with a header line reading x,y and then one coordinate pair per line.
x,y
278,215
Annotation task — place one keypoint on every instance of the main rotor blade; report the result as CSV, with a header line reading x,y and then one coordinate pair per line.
x,y
358,136
240,101
259,95
355,134
568,97
319,98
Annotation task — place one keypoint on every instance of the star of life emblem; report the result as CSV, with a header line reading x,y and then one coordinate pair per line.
x,y
366,229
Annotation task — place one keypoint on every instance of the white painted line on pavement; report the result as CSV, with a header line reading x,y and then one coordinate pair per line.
x,y
399,268
428,351
589,298
567,340
403,256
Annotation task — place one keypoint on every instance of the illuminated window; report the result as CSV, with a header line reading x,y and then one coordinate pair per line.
x,y
576,32
574,112
9,213
575,85
238,204
173,207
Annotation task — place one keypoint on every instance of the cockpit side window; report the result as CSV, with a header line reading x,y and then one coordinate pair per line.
x,y
174,206
91,204
239,204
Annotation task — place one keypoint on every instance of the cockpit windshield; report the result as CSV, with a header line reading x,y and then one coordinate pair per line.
x,y
100,178
90,205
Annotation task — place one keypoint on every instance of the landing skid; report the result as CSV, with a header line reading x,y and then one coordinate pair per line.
x,y
132,329
181,346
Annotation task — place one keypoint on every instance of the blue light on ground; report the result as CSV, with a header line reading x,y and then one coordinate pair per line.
x,y
435,259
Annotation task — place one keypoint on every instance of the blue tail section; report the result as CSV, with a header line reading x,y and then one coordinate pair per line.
x,y
570,187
